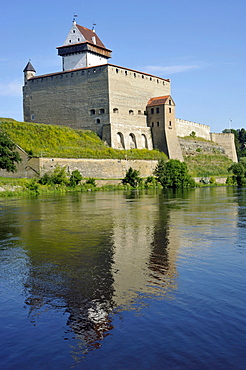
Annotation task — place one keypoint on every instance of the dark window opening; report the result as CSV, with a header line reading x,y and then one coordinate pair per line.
x,y
157,110
102,111
152,111
92,112
98,120
170,110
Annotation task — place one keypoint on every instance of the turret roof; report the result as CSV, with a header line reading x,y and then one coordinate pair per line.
x,y
29,67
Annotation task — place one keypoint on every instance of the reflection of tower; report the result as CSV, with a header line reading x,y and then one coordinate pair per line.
x,y
143,248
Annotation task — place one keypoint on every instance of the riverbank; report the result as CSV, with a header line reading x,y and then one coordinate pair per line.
x,y
11,187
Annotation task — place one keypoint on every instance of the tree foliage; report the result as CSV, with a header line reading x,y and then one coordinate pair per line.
x,y
8,156
173,174
132,178
75,178
56,177
239,172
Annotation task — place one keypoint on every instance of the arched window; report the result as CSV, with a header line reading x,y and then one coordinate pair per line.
x,y
92,112
139,111
132,139
115,110
144,142
158,124
120,141
157,110
98,120
130,111
102,111
170,102
152,111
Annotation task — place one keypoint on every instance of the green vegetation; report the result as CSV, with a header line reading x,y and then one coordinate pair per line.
x,y
8,156
206,165
239,173
193,136
41,140
173,174
132,178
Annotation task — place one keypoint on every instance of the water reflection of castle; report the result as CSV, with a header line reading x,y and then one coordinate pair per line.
x,y
94,255
105,251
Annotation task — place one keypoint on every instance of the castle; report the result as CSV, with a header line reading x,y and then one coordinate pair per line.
x,y
126,108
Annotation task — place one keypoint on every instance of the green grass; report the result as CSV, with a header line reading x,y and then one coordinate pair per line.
x,y
197,138
204,165
41,140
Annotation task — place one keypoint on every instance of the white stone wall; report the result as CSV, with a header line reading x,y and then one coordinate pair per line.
x,y
123,136
129,92
185,128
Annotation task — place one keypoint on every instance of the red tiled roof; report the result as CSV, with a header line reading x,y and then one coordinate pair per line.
x,y
158,100
88,34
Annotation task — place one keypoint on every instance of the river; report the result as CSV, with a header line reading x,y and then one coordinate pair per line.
x,y
124,280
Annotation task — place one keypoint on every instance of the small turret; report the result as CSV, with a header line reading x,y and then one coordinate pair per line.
x,y
29,71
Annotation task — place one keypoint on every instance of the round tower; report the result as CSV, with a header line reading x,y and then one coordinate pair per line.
x,y
29,71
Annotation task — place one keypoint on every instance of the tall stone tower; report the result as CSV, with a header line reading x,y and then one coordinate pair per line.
x,y
161,119
82,48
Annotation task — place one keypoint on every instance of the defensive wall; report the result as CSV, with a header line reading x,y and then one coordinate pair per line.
x,y
185,128
227,142
99,168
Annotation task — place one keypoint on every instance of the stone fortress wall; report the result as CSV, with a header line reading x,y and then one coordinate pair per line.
x,y
185,128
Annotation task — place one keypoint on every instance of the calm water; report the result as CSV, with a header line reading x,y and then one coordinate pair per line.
x,y
124,280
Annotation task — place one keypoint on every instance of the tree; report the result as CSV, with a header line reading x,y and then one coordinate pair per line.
x,y
173,174
8,156
75,178
239,172
132,178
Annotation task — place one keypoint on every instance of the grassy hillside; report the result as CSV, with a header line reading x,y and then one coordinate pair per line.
x,y
63,142
205,165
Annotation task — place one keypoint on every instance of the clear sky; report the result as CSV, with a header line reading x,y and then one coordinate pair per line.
x,y
199,44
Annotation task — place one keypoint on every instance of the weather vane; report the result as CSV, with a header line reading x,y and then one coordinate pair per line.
x,y
94,24
74,16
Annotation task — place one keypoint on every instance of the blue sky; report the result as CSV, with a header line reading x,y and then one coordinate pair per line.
x,y
200,45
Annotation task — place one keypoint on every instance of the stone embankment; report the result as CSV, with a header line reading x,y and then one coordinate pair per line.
x,y
193,147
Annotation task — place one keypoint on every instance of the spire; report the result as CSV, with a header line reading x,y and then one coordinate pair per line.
x,y
29,67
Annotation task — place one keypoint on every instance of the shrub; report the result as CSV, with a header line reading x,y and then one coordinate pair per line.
x,y
150,182
212,180
58,177
132,178
91,181
33,186
173,174
75,178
